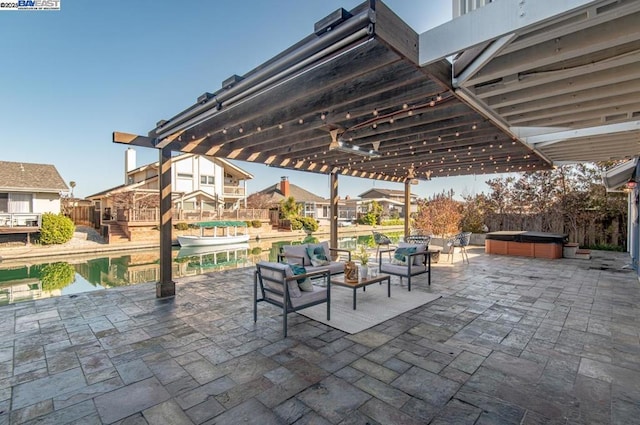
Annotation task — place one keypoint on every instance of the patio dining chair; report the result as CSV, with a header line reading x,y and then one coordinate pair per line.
x,y
380,239
461,240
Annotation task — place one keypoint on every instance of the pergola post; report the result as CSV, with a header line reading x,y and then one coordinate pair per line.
x,y
165,287
407,206
333,195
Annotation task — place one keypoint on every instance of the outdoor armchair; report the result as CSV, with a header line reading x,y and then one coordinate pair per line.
x,y
408,260
276,284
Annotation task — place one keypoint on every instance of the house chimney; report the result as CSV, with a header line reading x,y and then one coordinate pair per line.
x,y
129,163
284,186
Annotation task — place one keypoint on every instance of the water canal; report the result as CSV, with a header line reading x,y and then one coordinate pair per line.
x,y
41,278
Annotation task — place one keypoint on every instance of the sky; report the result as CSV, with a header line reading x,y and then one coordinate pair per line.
x,y
70,78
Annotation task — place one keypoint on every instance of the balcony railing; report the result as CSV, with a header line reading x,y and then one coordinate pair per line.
x,y
233,191
152,215
20,220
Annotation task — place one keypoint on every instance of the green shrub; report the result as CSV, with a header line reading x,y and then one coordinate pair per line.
x,y
296,224
56,229
57,276
392,222
309,223
182,226
256,224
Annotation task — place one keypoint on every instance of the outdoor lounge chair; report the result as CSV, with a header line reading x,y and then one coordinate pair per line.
x,y
461,240
276,284
417,261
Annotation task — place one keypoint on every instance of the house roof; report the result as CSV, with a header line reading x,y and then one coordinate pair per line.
x,y
298,193
386,192
228,166
24,176
202,194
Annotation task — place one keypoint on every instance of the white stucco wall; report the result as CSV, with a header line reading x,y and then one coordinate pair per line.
x,y
46,202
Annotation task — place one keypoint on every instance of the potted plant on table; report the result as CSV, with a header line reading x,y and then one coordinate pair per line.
x,y
362,255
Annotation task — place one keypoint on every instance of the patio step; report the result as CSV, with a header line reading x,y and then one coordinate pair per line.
x,y
583,254
116,234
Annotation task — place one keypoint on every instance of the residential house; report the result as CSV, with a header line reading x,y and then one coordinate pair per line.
x,y
391,200
312,205
203,187
28,190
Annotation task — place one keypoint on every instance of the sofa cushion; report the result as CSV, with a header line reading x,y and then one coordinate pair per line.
x,y
317,255
401,255
304,284
327,251
334,267
296,254
420,247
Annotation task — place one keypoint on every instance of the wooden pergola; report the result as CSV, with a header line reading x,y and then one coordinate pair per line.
x,y
350,99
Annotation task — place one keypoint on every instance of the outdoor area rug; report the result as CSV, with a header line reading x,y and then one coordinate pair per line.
x,y
372,306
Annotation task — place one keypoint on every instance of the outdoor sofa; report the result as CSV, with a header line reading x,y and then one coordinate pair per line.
x,y
300,254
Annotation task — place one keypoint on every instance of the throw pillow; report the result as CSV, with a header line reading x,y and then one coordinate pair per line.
x,y
305,283
401,254
317,255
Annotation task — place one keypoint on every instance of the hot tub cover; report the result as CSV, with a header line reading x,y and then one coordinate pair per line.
x,y
531,237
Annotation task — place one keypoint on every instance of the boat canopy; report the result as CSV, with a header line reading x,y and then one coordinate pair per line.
x,y
221,223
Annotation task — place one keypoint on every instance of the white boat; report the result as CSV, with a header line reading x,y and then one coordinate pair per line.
x,y
230,234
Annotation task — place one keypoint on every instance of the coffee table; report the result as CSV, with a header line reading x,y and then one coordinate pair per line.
x,y
362,283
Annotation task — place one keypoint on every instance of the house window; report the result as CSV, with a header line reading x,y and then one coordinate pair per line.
x,y
325,211
4,202
185,176
20,202
207,180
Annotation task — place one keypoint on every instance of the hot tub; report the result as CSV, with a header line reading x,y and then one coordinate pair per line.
x,y
526,244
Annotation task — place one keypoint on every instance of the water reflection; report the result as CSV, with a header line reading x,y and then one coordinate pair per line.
x,y
84,273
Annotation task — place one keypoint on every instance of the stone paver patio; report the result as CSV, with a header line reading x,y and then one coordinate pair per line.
x,y
512,341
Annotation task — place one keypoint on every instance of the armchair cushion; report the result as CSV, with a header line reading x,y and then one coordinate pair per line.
x,y
294,289
398,270
420,247
400,255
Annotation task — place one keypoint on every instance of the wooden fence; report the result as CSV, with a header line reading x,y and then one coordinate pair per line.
x,y
82,215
